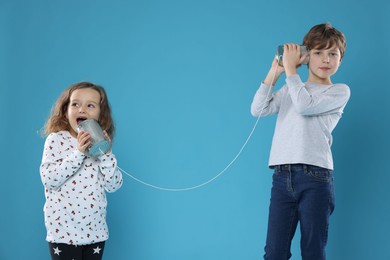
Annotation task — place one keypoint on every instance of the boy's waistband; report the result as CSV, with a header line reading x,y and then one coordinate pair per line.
x,y
297,167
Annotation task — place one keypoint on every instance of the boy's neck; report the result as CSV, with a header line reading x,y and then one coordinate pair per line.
x,y
320,81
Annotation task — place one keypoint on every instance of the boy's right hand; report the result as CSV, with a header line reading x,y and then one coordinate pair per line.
x,y
277,65
274,73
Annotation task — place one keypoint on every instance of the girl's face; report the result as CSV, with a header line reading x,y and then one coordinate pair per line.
x,y
84,103
323,64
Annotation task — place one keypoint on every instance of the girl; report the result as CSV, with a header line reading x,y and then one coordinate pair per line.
x,y
302,188
75,184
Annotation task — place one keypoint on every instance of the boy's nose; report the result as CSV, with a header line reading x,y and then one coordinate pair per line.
x,y
326,59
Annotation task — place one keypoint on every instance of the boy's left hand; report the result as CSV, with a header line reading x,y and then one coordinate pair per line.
x,y
291,55
292,58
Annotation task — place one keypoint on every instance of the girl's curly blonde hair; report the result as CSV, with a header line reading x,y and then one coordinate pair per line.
x,y
58,121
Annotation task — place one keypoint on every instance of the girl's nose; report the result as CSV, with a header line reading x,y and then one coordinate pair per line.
x,y
81,109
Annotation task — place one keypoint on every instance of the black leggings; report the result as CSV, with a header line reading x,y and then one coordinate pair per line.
x,y
70,252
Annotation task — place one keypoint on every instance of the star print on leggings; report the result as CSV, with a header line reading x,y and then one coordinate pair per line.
x,y
57,251
96,250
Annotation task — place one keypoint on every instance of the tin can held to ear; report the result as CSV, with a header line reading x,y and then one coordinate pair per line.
x,y
304,50
99,144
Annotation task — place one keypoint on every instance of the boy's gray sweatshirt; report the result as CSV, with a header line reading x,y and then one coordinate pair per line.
x,y
307,114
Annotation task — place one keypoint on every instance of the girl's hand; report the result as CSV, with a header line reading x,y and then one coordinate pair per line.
x,y
107,136
84,141
108,139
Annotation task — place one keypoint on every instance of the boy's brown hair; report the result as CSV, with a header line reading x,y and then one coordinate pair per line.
x,y
58,121
324,36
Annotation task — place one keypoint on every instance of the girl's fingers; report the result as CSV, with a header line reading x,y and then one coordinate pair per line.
x,y
86,145
106,135
83,139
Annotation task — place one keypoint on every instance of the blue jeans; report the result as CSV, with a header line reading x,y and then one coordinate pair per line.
x,y
303,193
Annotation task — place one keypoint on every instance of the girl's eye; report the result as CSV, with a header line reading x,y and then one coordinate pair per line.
x,y
91,106
74,104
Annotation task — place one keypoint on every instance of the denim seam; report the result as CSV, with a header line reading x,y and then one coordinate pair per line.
x,y
290,231
325,178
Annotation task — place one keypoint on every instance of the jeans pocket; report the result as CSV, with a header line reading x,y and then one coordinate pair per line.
x,y
320,174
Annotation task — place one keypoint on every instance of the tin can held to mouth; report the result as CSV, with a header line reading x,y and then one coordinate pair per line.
x,y
304,50
99,144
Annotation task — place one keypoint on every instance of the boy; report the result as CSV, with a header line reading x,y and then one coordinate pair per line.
x,y
302,188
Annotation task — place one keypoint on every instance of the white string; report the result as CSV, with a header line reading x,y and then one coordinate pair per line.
x,y
225,169
202,184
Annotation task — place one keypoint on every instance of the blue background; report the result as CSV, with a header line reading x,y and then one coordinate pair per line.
x,y
180,76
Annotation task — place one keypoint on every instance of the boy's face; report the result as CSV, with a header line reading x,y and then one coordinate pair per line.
x,y
323,64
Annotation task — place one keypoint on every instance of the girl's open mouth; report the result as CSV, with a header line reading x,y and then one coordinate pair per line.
x,y
80,119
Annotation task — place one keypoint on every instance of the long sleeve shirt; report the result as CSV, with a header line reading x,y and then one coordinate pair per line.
x,y
75,191
307,115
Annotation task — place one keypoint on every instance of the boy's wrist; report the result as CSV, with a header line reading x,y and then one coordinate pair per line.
x,y
272,76
290,71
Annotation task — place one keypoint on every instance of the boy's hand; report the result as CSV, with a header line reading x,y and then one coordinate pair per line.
x,y
276,65
84,141
291,58
274,73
